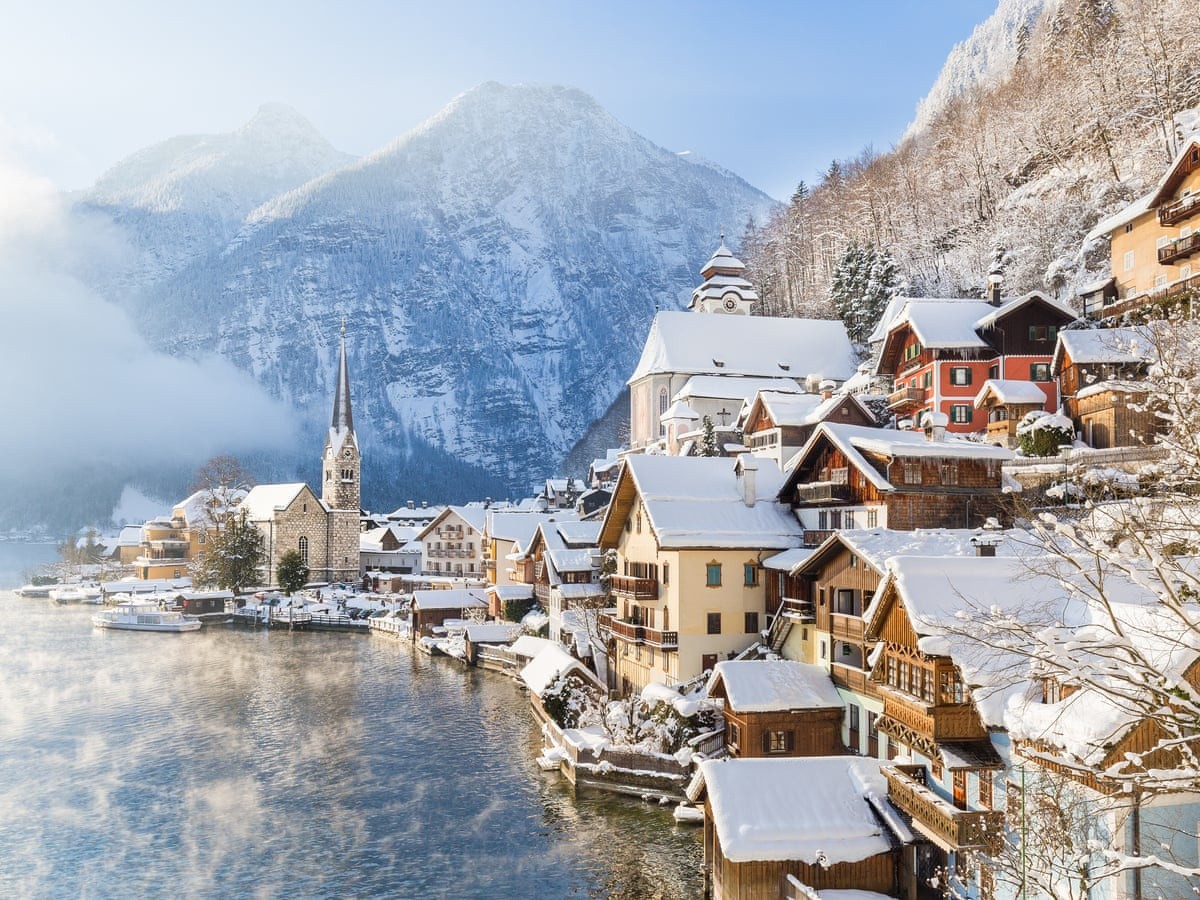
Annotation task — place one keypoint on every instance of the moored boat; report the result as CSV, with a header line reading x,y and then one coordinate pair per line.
x,y
144,617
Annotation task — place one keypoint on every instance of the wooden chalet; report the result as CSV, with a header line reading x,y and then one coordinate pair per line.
x,y
853,477
778,708
938,353
830,827
433,608
778,423
1102,374
1006,404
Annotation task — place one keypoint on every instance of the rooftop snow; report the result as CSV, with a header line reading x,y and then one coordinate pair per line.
x,y
545,668
683,342
804,809
774,685
1108,345
1007,390
264,499
492,632
723,387
788,559
451,599
696,501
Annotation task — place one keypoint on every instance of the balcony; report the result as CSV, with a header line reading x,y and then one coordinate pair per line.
x,y
936,723
800,610
1181,209
814,537
1179,248
626,587
633,633
939,819
906,397
852,679
822,492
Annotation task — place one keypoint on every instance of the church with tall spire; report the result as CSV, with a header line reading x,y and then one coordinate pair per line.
x,y
325,529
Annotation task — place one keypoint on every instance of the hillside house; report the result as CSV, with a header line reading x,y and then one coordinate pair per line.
x,y
390,548
1006,403
1102,374
848,476
777,424
939,353
1154,244
452,542
690,534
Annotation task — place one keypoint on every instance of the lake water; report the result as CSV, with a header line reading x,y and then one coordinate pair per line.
x,y
237,763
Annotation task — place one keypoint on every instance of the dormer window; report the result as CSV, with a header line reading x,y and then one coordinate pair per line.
x,y
719,363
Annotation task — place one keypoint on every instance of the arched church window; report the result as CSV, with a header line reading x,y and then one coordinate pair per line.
x,y
304,550
662,408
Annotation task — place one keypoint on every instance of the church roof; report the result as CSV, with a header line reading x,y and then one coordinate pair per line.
x,y
723,258
264,500
343,417
695,344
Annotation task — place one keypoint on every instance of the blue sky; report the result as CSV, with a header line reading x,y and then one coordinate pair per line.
x,y
771,90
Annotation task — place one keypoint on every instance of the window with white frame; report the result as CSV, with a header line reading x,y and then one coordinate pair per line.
x,y
960,375
1128,260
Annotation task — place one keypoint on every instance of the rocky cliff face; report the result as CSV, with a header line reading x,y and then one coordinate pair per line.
x,y
497,269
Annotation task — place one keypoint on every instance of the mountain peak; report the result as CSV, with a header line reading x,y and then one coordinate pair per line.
x,y
275,119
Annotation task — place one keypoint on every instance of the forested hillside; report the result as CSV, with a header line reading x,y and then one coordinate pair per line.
x,y
1023,163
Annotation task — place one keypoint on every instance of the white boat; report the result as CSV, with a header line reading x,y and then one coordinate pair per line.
x,y
144,617
75,593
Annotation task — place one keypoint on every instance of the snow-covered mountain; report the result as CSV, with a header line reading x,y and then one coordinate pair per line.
x,y
984,59
178,199
497,268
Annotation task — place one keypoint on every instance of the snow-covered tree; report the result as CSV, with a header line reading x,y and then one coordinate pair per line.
x,y
864,280
292,572
232,556
708,440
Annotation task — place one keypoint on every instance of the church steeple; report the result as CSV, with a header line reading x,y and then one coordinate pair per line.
x,y
343,418
725,288
340,462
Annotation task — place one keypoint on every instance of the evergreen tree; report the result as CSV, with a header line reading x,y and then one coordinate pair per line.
x,y
233,556
291,573
863,282
708,443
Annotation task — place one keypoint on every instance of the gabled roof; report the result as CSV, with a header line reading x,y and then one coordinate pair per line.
x,y
1006,390
579,534
797,410
1179,167
474,516
519,527
772,685
264,500
724,387
458,598
816,809
551,663
875,546
759,346
1112,346
697,502
854,440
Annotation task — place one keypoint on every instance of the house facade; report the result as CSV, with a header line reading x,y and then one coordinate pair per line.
x,y
939,353
1102,374
690,534
452,543
1154,243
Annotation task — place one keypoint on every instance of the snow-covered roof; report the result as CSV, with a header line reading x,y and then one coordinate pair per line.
x,y
511,591
697,501
738,387
944,322
580,591
760,346
774,685
679,410
579,534
581,560
264,500
806,808
492,632
1015,303
853,440
1106,345
723,258
452,599
551,663
788,559
1007,390
1115,386
130,536
884,325
875,546
527,646
519,527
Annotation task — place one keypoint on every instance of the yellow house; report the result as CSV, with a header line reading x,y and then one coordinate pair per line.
x,y
690,535
169,545
1154,242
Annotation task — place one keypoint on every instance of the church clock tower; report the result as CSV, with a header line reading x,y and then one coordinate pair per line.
x,y
725,288
341,468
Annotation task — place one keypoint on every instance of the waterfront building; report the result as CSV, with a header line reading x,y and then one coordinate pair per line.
x,y
325,529
452,542
690,535
777,707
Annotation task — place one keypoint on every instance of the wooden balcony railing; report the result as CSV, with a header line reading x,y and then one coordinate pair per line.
x,y
937,723
846,627
1180,248
937,817
853,679
822,492
629,588
907,396
1181,209
633,633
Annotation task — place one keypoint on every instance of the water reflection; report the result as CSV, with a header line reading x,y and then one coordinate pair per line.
x,y
240,763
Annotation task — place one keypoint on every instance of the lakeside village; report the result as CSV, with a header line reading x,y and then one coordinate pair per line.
x,y
920,627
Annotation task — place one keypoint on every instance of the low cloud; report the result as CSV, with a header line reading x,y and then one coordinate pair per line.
x,y
80,384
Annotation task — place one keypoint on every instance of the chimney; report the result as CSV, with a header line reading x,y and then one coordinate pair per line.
x,y
411,505
935,426
827,387
993,291
982,549
746,469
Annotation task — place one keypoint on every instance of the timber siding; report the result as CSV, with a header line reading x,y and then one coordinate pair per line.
x,y
813,732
